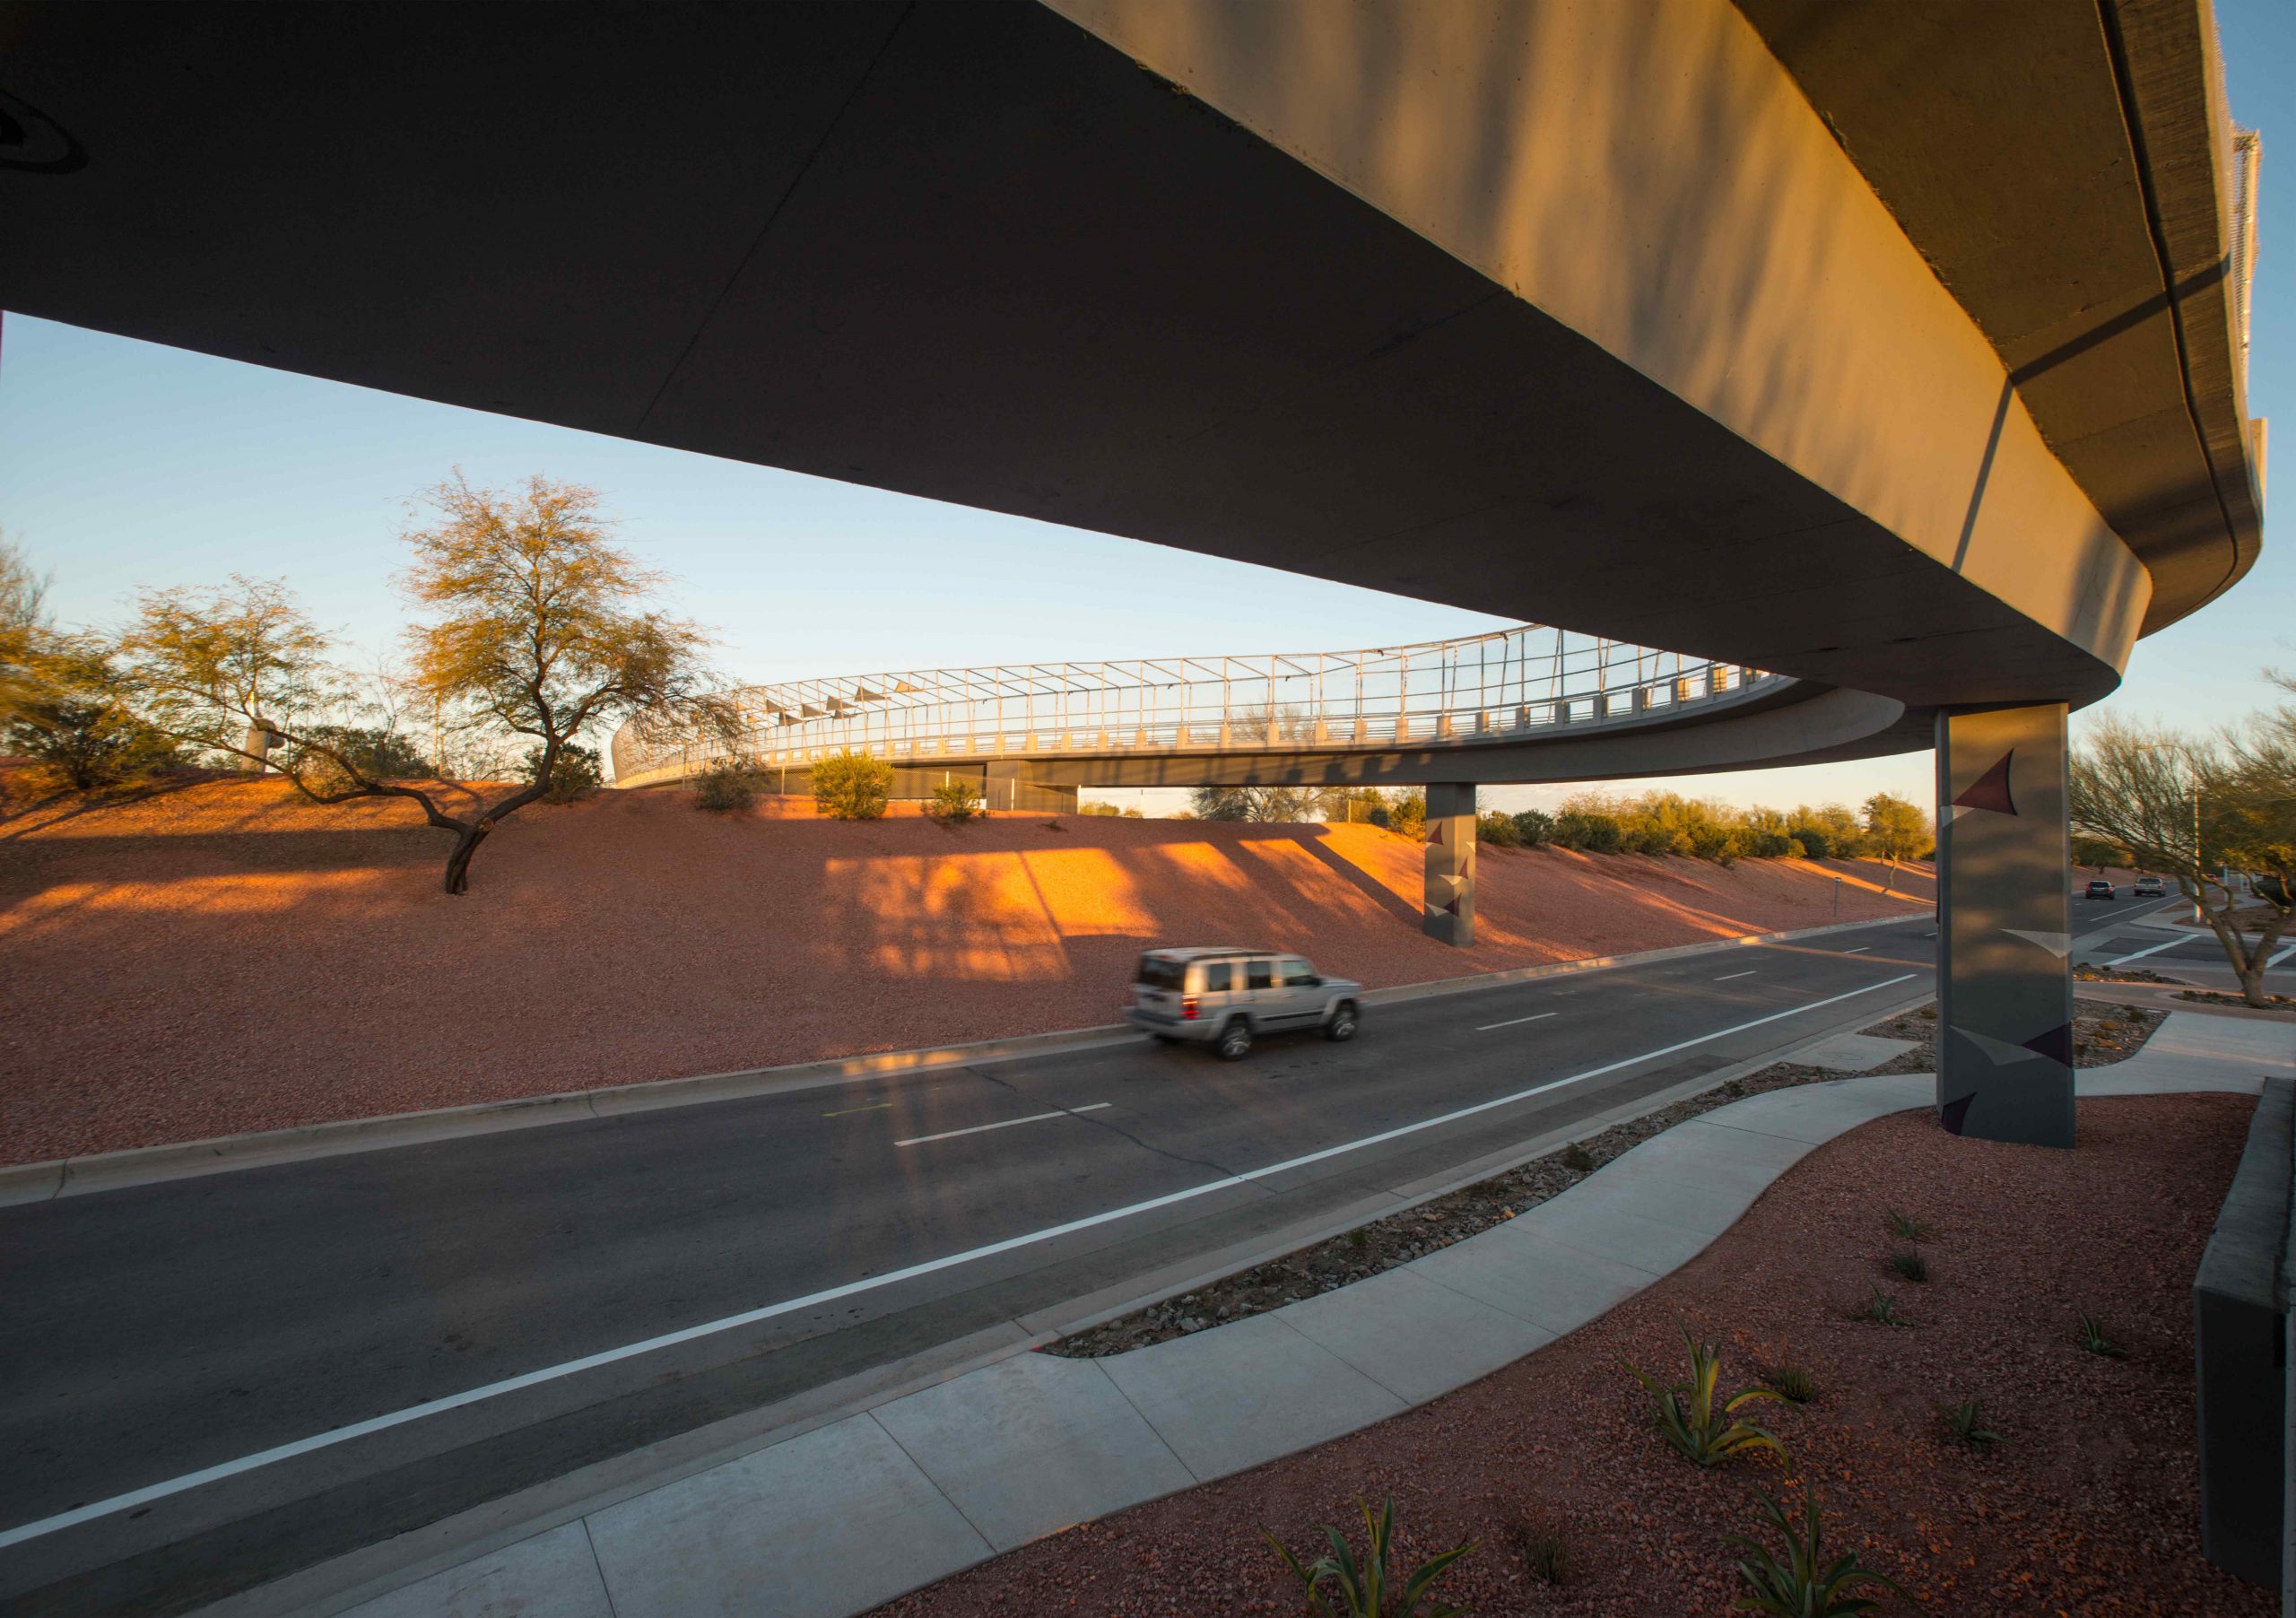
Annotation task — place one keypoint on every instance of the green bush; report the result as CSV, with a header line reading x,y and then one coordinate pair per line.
x,y
1534,828
727,786
1816,843
955,801
1769,845
1803,1585
72,719
1407,816
850,786
1696,1419
574,775
1496,829
1590,830
1367,1589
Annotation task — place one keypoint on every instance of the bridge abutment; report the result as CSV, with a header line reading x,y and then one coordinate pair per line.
x,y
2004,977
1448,910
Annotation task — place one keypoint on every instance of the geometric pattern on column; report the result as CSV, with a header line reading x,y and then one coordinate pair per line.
x,y
2004,973
1448,908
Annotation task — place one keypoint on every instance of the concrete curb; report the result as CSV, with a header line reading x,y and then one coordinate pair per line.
x,y
1024,1445
149,1165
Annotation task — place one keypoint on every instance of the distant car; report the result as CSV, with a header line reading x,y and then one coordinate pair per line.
x,y
1226,998
2149,887
2098,889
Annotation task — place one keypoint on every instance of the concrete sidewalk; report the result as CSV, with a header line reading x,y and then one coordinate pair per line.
x,y
901,1492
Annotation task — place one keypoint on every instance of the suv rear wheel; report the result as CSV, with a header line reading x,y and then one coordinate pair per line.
x,y
1235,1040
1342,1023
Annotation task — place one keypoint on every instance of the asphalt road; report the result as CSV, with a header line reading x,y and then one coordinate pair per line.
x,y
2111,940
154,1332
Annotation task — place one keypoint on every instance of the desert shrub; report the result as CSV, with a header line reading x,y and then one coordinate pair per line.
x,y
1904,1226
73,721
2093,1339
1592,830
1377,816
1794,1384
1910,1265
955,801
1110,810
1966,1422
1769,845
1881,1308
1803,1584
1497,829
1367,1589
1816,844
727,786
1407,814
1696,1419
850,786
1545,1556
379,754
574,775
1533,827
1577,1158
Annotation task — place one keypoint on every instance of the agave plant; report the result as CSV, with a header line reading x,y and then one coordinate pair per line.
x,y
1697,1423
1904,1226
1366,1589
1966,1422
1803,1584
2093,1339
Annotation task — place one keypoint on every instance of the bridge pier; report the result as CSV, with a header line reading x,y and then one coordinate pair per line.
x,y
1448,910
2004,977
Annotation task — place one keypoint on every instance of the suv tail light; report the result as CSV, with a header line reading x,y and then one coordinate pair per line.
x,y
1188,1007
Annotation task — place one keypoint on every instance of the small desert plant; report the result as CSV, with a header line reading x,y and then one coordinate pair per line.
x,y
1364,1588
1695,1421
1577,1158
1544,1553
1904,1226
955,801
850,786
1910,1265
1794,1383
1803,1585
1881,1308
574,775
1966,1422
1359,1238
2093,1339
726,785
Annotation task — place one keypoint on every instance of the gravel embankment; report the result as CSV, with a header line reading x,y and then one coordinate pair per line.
x,y
2089,1507
225,958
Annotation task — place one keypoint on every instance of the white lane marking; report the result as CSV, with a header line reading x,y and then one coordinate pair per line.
x,y
2285,952
1510,1023
1748,972
630,1350
1860,950
2153,950
1034,1118
849,1111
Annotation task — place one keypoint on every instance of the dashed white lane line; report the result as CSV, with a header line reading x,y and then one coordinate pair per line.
x,y
848,1112
1748,972
1034,1118
630,1351
2151,950
1860,950
1510,1022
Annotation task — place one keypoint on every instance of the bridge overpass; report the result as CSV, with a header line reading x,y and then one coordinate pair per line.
x,y
1895,349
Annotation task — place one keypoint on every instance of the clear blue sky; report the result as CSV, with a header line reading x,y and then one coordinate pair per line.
x,y
124,464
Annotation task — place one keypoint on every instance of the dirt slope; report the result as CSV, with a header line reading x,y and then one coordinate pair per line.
x,y
222,957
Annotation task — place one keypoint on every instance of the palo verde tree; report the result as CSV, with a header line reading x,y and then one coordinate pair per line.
x,y
536,628
1896,830
2200,806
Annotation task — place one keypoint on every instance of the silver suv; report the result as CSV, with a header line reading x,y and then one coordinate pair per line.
x,y
1225,997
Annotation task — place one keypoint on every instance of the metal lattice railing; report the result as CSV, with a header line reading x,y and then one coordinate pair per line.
x,y
1504,686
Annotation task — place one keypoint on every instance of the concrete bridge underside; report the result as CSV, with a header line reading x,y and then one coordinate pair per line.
x,y
1897,349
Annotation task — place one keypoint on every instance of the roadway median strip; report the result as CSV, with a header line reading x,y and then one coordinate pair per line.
x,y
1034,1118
225,1470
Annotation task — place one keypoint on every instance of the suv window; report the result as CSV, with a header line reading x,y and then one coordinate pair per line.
x,y
1218,978
1157,972
1293,970
1257,974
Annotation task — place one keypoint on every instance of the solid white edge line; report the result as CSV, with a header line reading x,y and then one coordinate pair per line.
x,y
2149,950
1512,1021
1748,972
630,1350
1034,1118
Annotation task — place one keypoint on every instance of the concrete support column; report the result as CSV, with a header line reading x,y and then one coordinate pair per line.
x,y
2004,977
1448,912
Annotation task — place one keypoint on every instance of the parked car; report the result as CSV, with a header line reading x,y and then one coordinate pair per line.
x,y
1226,998
2098,889
2149,887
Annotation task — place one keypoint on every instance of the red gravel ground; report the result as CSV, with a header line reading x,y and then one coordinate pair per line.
x,y
225,958
2089,1508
